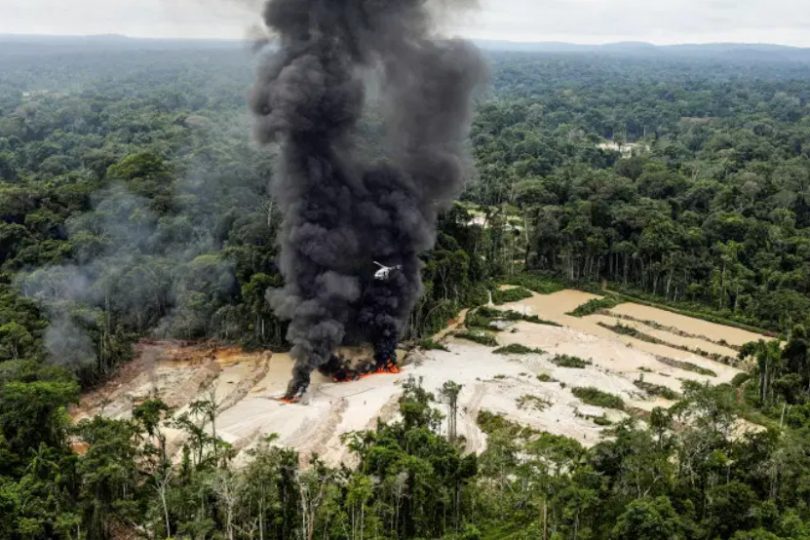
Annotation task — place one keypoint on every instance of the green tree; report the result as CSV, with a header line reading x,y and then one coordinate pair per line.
x,y
649,519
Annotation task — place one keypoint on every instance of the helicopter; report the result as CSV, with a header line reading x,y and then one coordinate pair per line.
x,y
385,271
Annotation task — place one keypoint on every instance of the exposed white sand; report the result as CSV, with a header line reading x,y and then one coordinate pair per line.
x,y
245,385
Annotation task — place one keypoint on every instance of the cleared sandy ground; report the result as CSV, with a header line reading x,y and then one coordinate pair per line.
x,y
491,382
715,332
245,385
679,340
554,307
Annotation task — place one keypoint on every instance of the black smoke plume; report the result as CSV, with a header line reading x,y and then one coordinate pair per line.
x,y
341,212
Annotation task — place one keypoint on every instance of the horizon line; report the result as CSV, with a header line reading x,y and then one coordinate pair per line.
x,y
473,39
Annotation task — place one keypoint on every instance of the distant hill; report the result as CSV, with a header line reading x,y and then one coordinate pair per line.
x,y
109,42
749,51
753,52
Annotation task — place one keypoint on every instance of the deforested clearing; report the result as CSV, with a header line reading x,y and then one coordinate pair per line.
x,y
246,385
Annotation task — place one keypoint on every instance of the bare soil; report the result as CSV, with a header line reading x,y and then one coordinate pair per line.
x,y
246,385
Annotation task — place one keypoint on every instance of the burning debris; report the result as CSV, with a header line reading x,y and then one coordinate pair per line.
x,y
342,213
342,369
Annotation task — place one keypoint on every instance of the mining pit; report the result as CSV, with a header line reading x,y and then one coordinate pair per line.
x,y
530,389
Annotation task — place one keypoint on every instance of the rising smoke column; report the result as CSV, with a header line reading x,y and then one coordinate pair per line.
x,y
341,213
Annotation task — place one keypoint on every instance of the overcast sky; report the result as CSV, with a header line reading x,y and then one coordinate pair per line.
x,y
580,21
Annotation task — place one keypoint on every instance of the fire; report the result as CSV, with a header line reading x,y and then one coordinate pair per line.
x,y
345,377
389,367
350,375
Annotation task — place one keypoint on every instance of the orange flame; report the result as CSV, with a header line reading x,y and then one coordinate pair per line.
x,y
389,368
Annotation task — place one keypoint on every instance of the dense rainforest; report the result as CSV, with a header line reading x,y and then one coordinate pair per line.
x,y
133,203
705,199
